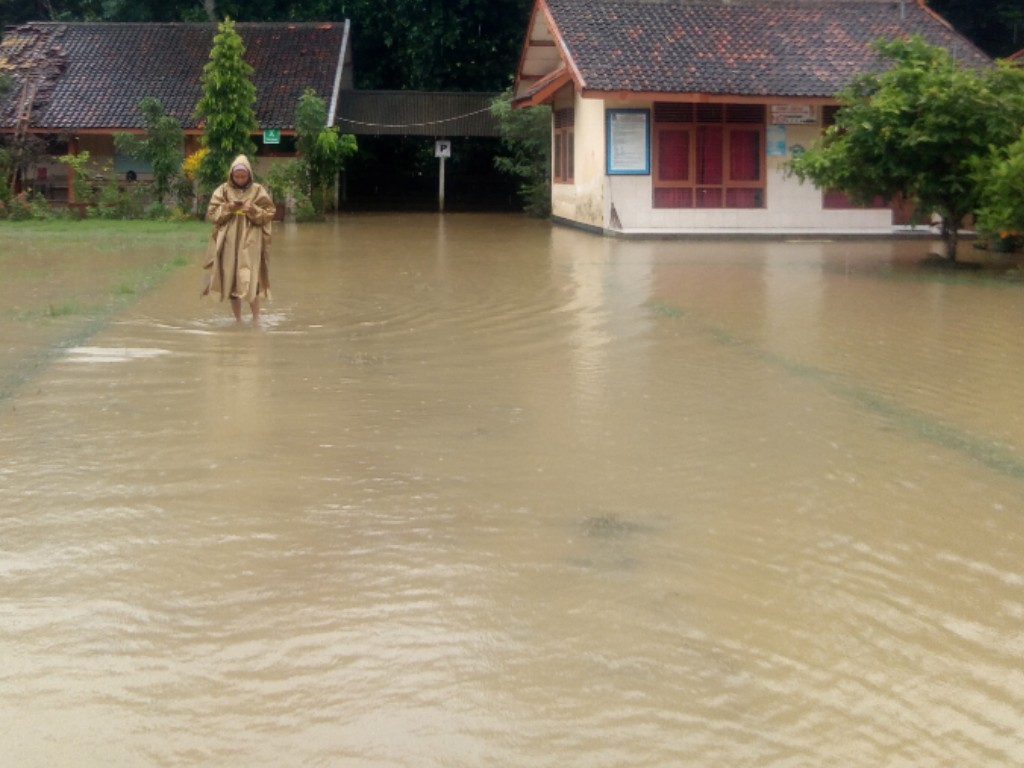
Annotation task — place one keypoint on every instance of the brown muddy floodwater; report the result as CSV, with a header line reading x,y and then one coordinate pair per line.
x,y
485,492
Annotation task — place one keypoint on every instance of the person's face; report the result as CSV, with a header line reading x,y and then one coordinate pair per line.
x,y
240,176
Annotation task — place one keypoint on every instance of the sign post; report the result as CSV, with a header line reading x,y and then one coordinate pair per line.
x,y
442,150
272,136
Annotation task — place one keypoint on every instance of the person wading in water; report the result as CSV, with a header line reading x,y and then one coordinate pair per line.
x,y
237,264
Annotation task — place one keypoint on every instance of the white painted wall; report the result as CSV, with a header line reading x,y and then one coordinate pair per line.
x,y
792,207
583,200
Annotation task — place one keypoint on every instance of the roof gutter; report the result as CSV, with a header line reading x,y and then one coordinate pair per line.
x,y
336,92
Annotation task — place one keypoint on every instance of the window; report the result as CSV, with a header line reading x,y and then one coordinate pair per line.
x,y
565,146
709,155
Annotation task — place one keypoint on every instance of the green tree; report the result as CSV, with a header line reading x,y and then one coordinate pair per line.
x,y
1002,202
226,109
526,139
322,150
162,147
918,129
1000,172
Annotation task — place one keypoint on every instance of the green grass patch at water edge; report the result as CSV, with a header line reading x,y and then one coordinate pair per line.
x,y
63,281
72,239
69,308
88,228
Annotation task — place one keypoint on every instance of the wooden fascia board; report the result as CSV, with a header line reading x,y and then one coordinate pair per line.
x,y
563,49
545,88
924,6
526,46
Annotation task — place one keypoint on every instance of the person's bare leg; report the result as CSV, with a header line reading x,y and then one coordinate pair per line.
x,y
236,308
254,305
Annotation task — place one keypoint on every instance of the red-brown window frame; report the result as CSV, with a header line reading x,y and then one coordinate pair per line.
x,y
563,161
694,121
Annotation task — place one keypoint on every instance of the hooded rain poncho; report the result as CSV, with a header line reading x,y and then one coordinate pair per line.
x,y
237,264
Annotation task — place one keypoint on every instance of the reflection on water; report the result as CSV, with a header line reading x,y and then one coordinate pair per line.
x,y
483,492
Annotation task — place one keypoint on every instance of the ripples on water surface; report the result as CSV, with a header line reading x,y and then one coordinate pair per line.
x,y
484,492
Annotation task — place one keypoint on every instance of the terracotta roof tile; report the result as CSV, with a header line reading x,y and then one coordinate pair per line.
x,y
738,47
110,67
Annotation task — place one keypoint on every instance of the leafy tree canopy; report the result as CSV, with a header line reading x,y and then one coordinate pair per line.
x,y
1002,208
161,147
919,129
526,155
227,107
322,150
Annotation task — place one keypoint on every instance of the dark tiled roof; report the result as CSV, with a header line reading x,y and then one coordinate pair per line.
x,y
108,68
803,48
417,113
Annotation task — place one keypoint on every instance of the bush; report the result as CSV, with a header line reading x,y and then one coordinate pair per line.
x,y
19,208
115,203
284,179
40,207
526,138
158,211
305,210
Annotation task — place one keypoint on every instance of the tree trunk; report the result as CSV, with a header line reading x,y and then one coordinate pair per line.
x,y
210,6
950,237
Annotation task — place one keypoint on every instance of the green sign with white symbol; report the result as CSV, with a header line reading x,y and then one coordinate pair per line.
x,y
272,136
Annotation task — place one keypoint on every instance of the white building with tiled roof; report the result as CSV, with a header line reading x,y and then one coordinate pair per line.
x,y
678,116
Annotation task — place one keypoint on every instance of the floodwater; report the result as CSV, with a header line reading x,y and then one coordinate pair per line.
x,y
484,492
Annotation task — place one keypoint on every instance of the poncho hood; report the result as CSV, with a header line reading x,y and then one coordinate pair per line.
x,y
241,160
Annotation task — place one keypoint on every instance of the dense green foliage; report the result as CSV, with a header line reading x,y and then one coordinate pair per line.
x,y
322,150
921,129
227,107
162,146
1001,176
526,144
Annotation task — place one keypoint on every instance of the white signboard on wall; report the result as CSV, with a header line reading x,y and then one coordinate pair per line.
x,y
794,114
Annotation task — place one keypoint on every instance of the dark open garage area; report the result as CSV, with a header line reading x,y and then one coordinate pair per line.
x,y
402,173
400,134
